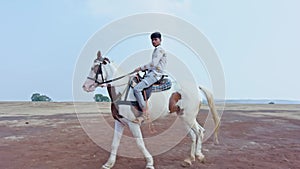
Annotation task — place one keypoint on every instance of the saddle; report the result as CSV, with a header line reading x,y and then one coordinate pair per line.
x,y
162,84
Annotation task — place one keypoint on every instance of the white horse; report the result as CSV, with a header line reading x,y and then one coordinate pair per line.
x,y
102,72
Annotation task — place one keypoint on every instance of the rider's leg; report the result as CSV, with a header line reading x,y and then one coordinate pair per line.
x,y
138,93
145,83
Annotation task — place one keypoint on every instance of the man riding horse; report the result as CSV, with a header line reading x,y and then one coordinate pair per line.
x,y
155,72
123,98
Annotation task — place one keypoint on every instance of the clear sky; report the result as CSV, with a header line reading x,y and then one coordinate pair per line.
x,y
257,42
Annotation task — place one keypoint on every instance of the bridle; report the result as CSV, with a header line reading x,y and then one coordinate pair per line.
x,y
100,72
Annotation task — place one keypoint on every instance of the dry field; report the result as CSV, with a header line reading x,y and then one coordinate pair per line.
x,y
49,136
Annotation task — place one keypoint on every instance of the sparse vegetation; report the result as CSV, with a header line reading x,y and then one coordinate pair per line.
x,y
101,98
36,97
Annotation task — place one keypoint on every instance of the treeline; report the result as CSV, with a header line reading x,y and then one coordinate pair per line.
x,y
36,97
101,98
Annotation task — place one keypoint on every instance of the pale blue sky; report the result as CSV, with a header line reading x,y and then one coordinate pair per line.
x,y
257,42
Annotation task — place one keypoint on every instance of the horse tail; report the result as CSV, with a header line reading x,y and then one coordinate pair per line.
x,y
213,110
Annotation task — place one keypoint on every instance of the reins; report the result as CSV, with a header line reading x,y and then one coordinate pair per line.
x,y
108,81
115,98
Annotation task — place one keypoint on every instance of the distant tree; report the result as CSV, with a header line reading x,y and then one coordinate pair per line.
x,y
36,97
101,98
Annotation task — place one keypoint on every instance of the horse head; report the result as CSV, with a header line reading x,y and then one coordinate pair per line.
x,y
99,73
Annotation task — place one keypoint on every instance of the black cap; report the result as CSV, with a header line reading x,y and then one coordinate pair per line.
x,y
155,35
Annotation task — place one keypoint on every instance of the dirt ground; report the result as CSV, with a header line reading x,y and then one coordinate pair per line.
x,y
49,136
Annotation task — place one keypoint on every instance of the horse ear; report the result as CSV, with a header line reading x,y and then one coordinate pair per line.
x,y
106,60
99,56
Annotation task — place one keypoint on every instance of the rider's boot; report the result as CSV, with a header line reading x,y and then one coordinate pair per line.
x,y
144,116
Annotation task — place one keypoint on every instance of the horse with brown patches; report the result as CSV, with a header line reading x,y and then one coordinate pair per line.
x,y
185,103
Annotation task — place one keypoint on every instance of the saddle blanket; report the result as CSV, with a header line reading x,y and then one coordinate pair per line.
x,y
164,84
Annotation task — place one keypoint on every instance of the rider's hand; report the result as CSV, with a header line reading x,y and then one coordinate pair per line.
x,y
138,69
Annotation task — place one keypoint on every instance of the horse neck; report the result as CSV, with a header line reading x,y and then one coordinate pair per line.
x,y
120,85
110,70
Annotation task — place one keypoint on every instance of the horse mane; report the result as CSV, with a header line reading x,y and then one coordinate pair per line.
x,y
105,60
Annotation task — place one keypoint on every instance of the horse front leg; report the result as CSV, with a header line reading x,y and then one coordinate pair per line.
x,y
137,134
118,132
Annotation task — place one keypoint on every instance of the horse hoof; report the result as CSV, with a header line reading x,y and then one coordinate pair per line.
x,y
186,163
201,158
107,166
150,167
149,164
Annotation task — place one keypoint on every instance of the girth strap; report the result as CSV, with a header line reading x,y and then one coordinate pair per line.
x,y
131,103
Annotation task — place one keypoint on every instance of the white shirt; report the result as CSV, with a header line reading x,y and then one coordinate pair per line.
x,y
158,62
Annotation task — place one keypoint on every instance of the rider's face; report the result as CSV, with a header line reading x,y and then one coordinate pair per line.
x,y
155,42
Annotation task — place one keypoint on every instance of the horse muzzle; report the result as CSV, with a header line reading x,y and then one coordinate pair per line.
x,y
89,87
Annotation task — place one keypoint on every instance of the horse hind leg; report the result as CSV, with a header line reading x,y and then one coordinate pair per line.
x,y
199,130
118,132
188,161
196,133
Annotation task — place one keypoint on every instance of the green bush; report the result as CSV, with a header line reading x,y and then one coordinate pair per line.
x,y
36,97
101,98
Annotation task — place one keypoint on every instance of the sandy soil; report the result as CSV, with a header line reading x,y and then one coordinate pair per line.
x,y
48,136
